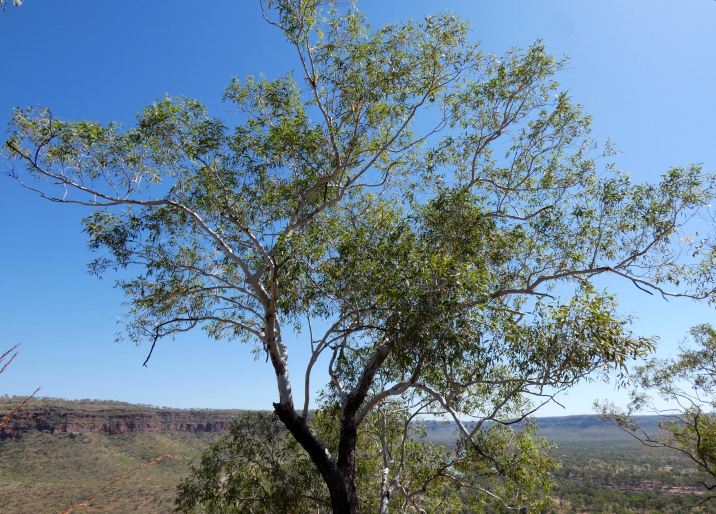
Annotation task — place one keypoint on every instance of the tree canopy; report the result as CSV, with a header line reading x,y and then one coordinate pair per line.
x,y
438,214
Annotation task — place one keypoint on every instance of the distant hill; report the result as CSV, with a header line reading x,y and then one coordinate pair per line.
x,y
584,429
110,418
56,453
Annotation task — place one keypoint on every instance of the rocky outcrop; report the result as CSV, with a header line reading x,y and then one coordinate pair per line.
x,y
111,421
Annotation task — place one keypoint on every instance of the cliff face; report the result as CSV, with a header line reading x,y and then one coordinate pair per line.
x,y
111,419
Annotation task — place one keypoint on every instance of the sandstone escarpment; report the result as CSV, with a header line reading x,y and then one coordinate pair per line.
x,y
109,418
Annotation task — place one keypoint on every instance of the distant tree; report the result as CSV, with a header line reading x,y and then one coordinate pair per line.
x,y
686,387
428,218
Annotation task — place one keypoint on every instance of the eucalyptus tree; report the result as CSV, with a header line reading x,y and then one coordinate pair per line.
x,y
682,390
429,219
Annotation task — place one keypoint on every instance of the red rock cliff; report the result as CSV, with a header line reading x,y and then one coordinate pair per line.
x,y
79,417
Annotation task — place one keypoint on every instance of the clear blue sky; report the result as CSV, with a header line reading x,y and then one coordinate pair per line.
x,y
645,70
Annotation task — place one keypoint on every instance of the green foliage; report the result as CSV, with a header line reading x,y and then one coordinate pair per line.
x,y
442,211
258,467
688,384
517,471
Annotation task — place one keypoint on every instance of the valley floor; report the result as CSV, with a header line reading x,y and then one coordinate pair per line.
x,y
601,469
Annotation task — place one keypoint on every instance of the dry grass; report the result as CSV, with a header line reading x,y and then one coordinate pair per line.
x,y
125,476
42,472
6,358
